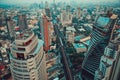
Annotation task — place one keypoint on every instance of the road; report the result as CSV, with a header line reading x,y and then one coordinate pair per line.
x,y
60,41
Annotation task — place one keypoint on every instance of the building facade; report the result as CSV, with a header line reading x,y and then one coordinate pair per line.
x,y
10,27
27,57
78,12
4,53
65,17
99,40
22,21
45,31
109,68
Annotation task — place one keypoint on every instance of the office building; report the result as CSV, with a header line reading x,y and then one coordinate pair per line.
x,y
109,68
22,21
84,12
4,56
4,53
10,27
45,31
27,57
65,17
68,8
47,10
48,13
1,22
78,12
46,4
99,40
70,36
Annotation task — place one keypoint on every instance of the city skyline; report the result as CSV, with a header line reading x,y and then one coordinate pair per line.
x,y
50,1
59,40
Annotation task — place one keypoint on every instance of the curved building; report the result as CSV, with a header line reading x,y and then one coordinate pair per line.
x,y
99,40
109,68
27,57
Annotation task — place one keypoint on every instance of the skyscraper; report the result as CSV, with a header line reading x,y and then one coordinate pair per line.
x,y
47,11
46,4
66,17
22,21
68,8
109,68
0,21
78,12
99,40
27,57
10,27
45,31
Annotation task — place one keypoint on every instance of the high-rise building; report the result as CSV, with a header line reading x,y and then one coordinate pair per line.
x,y
68,8
22,21
2,18
46,4
10,27
109,68
115,72
99,40
4,46
27,57
84,12
4,55
45,31
47,11
78,12
65,17
1,22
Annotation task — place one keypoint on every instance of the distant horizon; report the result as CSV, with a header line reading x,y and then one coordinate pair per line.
x,y
51,1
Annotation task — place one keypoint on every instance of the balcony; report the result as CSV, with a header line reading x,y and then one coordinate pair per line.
x,y
24,49
17,71
92,63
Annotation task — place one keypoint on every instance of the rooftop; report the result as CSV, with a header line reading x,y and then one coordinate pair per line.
x,y
40,44
77,38
34,51
70,29
87,42
78,45
23,35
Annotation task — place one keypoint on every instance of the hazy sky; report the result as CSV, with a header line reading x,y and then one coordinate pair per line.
x,y
38,1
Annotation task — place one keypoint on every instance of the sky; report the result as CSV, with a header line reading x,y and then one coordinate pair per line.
x,y
38,1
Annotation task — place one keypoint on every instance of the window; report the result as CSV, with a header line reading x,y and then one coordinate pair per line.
x,y
102,21
20,56
21,49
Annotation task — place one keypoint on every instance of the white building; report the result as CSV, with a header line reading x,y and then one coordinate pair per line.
x,y
70,34
3,52
66,18
27,57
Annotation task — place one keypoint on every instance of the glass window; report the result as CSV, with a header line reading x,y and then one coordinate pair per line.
x,y
102,21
